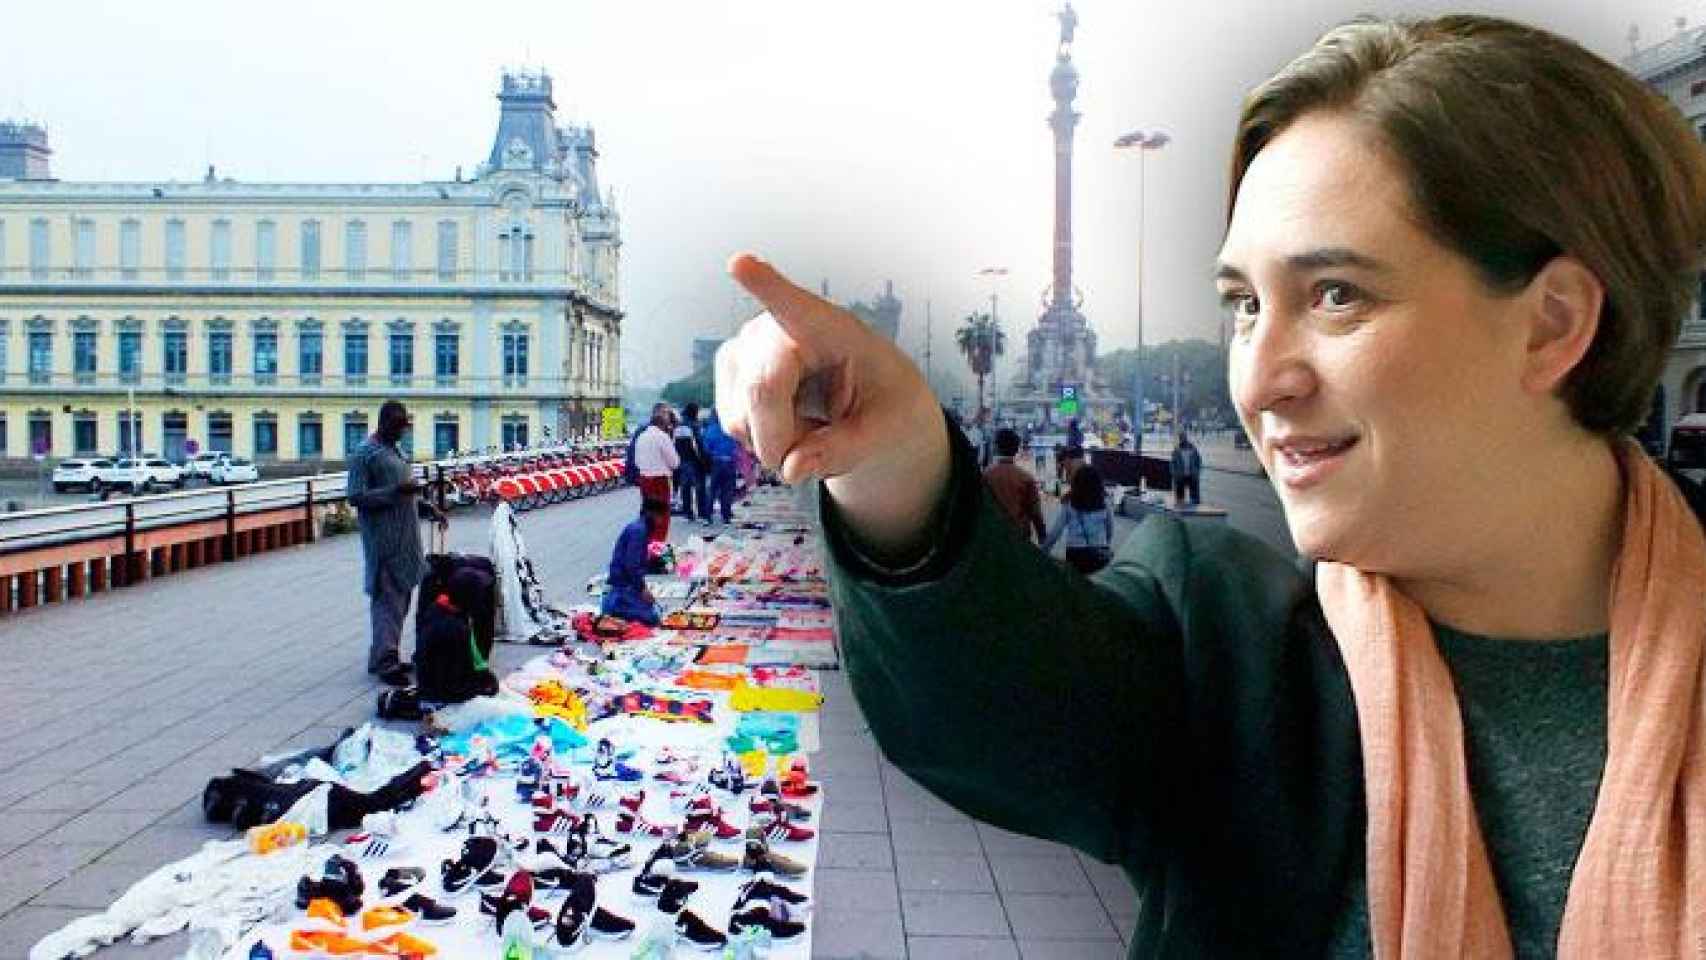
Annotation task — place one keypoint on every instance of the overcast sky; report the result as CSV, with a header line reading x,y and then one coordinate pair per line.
x,y
848,142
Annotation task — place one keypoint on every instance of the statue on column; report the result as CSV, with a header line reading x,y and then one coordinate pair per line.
x,y
1068,23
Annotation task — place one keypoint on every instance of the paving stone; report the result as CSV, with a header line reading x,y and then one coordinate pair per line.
x,y
21,827
32,868
102,826
961,948
858,851
1112,886
943,872
846,935
59,798
918,836
1046,917
840,816
953,914
1072,949
161,845
858,891
1064,875
998,842
94,886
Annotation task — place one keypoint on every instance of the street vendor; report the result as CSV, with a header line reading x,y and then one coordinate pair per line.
x,y
1473,723
625,591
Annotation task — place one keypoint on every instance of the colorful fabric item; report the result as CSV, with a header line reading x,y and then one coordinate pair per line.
x,y
746,697
657,707
510,739
722,653
1639,886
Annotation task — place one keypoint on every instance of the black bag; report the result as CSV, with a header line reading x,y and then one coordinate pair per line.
x,y
400,704
455,620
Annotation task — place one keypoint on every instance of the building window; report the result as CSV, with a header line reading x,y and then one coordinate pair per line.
x,y
447,357
176,356
83,356
220,251
355,356
355,251
130,249
2,433
402,357
266,250
446,433
446,250
310,363
174,431
219,432
83,248
310,250
129,432
5,361
130,356
3,270
266,436
266,357
515,255
515,432
41,250
402,253
41,357
219,356
515,359
41,433
355,432
174,251
84,434
310,437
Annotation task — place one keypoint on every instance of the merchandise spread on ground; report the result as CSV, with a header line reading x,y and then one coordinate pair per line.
x,y
632,793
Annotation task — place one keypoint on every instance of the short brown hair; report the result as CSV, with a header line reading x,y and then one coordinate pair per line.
x,y
1520,145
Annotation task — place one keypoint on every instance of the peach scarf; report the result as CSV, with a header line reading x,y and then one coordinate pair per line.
x,y
1639,886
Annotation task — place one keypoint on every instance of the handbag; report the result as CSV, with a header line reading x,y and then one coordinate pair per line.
x,y
1087,559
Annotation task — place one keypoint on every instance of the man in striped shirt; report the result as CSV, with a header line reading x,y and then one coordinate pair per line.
x,y
383,489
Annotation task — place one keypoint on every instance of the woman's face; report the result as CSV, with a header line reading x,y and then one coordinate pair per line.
x,y
1377,377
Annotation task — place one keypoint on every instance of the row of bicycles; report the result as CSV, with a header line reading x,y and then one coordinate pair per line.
x,y
531,478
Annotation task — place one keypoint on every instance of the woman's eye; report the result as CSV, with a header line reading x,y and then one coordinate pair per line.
x,y
1338,296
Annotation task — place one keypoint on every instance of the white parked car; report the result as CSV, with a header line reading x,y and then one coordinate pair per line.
x,y
201,465
143,473
78,473
235,470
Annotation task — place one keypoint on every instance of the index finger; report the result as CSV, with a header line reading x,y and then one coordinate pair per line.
x,y
812,322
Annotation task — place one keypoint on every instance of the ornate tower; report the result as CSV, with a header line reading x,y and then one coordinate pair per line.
x,y
1061,349
23,151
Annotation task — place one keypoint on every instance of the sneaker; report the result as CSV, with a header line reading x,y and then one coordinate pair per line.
x,y
339,881
686,799
762,889
430,911
647,886
760,859
383,916
260,951
633,802
697,933
674,894
636,824
569,930
556,823
398,676
691,856
776,807
402,944
366,846
714,822
778,830
729,777
328,913
609,926
795,785
553,879
760,917
326,943
399,880
473,866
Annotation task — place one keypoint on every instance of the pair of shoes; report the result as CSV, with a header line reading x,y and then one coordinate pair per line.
x,y
339,883
475,866
658,881
763,889
761,917
760,859
699,934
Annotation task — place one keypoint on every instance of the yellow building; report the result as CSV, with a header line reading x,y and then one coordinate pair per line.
x,y
272,319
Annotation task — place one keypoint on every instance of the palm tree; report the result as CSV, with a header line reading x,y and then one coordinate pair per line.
x,y
980,339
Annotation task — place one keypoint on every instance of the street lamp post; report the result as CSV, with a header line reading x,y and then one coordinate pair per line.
x,y
1143,142
994,275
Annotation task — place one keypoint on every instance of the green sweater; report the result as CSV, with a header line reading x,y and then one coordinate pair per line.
x,y
1184,714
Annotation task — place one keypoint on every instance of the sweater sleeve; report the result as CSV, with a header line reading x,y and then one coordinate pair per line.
x,y
1010,686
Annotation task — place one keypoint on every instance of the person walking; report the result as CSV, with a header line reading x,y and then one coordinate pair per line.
x,y
1016,491
1187,472
724,456
1086,521
691,476
655,459
382,488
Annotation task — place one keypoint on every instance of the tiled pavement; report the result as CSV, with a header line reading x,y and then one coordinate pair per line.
x,y
115,711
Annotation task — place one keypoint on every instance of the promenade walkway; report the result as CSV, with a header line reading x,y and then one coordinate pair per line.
x,y
115,711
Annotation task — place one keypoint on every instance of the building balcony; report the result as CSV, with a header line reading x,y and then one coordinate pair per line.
x,y
326,280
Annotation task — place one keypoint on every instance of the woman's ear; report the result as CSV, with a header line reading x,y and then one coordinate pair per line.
x,y
1566,299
